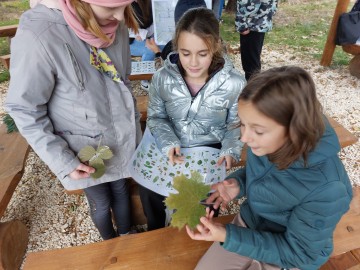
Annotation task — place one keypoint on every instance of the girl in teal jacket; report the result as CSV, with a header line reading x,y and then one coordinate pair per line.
x,y
295,185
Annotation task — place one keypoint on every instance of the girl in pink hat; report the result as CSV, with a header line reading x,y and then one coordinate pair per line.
x,y
71,91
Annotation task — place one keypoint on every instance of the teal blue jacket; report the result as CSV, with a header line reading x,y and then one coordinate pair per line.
x,y
291,214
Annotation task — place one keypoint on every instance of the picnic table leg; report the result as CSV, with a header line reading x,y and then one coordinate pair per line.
x,y
330,45
14,238
354,66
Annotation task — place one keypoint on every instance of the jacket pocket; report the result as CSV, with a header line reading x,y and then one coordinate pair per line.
x,y
77,140
78,76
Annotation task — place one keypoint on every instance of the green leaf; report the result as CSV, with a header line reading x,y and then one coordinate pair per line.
x,y
99,166
95,158
104,152
10,123
86,153
187,201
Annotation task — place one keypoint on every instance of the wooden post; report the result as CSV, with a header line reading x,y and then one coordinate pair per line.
x,y
330,45
13,242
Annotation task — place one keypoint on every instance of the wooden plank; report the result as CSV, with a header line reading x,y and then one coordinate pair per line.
x,y
13,151
162,249
347,232
137,77
346,138
5,60
13,243
142,104
8,30
341,262
356,253
330,45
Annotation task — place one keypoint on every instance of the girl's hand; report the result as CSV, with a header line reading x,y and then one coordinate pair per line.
x,y
208,231
81,171
175,156
247,31
151,44
138,38
229,161
225,192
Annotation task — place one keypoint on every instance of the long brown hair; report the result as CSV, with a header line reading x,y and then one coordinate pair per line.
x,y
89,22
202,23
288,96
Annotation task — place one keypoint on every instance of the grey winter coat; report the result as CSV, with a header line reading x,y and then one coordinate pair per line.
x,y
175,118
61,103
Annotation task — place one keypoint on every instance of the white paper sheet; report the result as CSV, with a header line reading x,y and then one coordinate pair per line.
x,y
142,67
142,33
150,168
163,17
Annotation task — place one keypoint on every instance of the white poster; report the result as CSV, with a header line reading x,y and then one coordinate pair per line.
x,y
142,67
151,169
163,17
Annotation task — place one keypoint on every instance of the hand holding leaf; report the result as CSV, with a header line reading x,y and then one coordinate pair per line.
x,y
187,201
95,158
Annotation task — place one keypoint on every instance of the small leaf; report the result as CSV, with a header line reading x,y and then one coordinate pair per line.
x,y
99,166
104,152
86,153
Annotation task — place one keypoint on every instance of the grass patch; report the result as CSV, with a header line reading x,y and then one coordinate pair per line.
x,y
4,75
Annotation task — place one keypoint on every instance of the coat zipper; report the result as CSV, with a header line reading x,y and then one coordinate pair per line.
x,y
76,68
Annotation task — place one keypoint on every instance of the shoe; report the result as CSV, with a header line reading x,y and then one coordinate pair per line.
x,y
144,85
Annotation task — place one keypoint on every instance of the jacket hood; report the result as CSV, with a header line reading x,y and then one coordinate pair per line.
x,y
327,146
41,13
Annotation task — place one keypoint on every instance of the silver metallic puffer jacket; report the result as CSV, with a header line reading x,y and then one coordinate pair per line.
x,y
175,118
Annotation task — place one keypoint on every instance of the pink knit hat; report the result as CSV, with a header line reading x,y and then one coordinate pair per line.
x,y
109,3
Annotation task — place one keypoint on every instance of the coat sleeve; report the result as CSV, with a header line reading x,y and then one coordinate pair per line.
x,y
245,8
231,144
31,86
307,241
240,176
158,120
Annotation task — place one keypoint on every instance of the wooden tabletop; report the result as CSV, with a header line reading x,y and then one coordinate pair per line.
x,y
13,151
162,249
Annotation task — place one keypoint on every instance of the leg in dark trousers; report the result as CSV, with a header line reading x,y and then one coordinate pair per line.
x,y
102,199
154,208
250,49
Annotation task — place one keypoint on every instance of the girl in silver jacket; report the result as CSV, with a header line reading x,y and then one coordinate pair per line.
x,y
192,100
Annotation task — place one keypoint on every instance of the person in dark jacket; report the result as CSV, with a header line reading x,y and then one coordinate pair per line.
x,y
295,185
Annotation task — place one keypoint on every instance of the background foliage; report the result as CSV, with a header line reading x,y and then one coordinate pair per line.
x,y
301,26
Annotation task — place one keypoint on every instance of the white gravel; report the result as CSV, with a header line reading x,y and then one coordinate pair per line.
x,y
57,220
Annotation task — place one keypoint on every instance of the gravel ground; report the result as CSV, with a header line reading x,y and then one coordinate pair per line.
x,y
57,220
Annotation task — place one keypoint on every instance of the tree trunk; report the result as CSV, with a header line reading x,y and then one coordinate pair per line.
x,y
231,6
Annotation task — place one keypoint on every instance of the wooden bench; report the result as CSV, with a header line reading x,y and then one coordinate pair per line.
x,y
13,234
167,248
329,48
8,32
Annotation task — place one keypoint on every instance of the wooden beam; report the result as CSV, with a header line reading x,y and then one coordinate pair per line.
x,y
8,30
5,60
163,249
13,243
137,77
13,151
330,45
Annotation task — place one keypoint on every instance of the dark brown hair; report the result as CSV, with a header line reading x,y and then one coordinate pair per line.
x,y
288,96
202,23
89,22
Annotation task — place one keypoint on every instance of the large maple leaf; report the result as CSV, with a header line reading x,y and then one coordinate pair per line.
x,y
186,203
